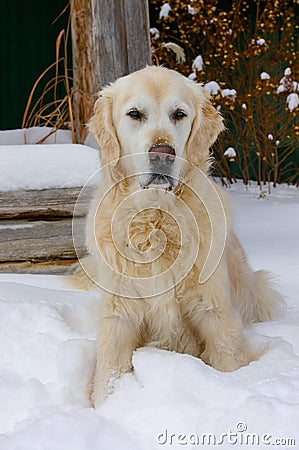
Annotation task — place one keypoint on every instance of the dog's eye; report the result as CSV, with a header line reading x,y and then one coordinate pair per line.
x,y
179,114
135,114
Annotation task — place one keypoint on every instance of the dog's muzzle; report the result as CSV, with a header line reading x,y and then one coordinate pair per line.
x,y
161,160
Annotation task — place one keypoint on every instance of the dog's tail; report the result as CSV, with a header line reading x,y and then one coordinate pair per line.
x,y
270,302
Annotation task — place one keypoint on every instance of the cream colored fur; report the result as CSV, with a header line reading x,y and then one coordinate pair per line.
x,y
203,319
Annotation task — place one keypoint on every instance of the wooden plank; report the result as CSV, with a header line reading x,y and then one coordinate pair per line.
x,y
24,240
121,37
137,34
110,38
43,203
55,267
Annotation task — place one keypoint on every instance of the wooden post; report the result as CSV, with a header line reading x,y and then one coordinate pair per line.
x,y
110,39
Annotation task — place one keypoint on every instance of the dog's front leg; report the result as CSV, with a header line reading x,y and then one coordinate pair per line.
x,y
117,340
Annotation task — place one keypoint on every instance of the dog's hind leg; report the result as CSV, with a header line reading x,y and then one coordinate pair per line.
x,y
218,325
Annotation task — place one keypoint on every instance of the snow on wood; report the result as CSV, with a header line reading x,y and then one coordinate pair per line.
x,y
33,135
32,187
46,166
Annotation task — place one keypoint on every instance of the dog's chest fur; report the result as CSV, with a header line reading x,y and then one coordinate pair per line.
x,y
143,239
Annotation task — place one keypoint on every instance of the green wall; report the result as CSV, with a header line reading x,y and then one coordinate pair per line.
x,y
27,47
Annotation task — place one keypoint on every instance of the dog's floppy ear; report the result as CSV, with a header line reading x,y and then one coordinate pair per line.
x,y
101,126
207,125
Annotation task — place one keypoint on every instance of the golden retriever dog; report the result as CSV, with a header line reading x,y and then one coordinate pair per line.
x,y
159,232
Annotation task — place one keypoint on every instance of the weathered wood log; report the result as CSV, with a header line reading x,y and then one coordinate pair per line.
x,y
43,243
25,240
137,34
110,38
55,267
46,203
121,38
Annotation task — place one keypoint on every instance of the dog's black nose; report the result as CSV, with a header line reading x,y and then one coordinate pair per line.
x,y
162,154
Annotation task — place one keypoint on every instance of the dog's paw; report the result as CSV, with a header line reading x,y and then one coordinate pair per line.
x,y
225,361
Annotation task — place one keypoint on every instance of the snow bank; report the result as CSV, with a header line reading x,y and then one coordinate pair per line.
x,y
47,350
46,166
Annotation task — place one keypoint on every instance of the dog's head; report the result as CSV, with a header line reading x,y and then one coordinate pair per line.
x,y
159,116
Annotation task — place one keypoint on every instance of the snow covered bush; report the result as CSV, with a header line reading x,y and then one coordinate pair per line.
x,y
245,54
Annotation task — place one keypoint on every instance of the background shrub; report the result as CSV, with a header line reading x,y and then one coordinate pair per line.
x,y
245,54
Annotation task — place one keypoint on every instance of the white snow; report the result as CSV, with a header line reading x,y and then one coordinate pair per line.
x,y
287,71
192,76
33,135
155,33
265,76
281,88
229,93
16,226
47,352
197,63
292,101
230,152
46,166
165,10
261,41
192,10
287,84
212,87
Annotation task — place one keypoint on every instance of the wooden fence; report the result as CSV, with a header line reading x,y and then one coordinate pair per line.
x,y
36,230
